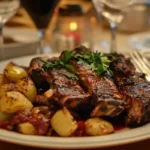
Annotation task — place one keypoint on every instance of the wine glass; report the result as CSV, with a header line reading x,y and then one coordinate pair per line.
x,y
41,12
7,9
113,11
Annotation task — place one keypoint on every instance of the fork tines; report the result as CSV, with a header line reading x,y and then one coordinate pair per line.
x,y
141,63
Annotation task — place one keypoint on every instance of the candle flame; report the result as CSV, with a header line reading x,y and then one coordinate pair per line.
x,y
73,26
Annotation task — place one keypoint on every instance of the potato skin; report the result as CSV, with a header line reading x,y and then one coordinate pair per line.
x,y
14,101
27,87
5,88
14,73
98,126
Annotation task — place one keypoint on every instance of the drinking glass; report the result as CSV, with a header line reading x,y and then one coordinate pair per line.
x,y
41,11
113,11
7,9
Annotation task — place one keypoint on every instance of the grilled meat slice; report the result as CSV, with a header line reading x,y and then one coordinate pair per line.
x,y
37,74
105,96
67,90
121,66
134,88
136,92
106,99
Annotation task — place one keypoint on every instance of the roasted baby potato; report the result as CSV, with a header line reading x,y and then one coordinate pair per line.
x,y
27,87
98,126
14,101
5,116
14,73
26,128
5,88
63,124
3,79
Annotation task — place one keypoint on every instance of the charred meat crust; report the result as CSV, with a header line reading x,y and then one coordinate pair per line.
x,y
121,66
105,97
135,90
137,95
37,74
67,90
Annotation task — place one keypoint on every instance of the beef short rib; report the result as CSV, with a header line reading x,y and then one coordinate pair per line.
x,y
137,94
67,90
105,97
135,90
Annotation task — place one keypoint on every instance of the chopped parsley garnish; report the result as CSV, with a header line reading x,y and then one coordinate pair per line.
x,y
96,62
62,63
70,75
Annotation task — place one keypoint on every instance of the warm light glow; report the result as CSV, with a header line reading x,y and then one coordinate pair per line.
x,y
73,26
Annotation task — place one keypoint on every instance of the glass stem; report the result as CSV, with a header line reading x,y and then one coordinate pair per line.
x,y
113,27
41,34
2,57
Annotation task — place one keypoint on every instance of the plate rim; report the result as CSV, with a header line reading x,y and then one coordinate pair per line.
x,y
74,142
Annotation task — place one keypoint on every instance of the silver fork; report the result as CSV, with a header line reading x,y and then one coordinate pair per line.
x,y
141,63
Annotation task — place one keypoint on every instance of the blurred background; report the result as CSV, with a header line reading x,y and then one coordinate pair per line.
x,y
51,26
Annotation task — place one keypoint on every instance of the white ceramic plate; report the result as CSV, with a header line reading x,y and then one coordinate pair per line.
x,y
27,42
140,41
118,138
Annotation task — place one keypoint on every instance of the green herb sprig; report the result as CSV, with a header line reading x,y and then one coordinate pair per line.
x,y
70,75
62,63
96,62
